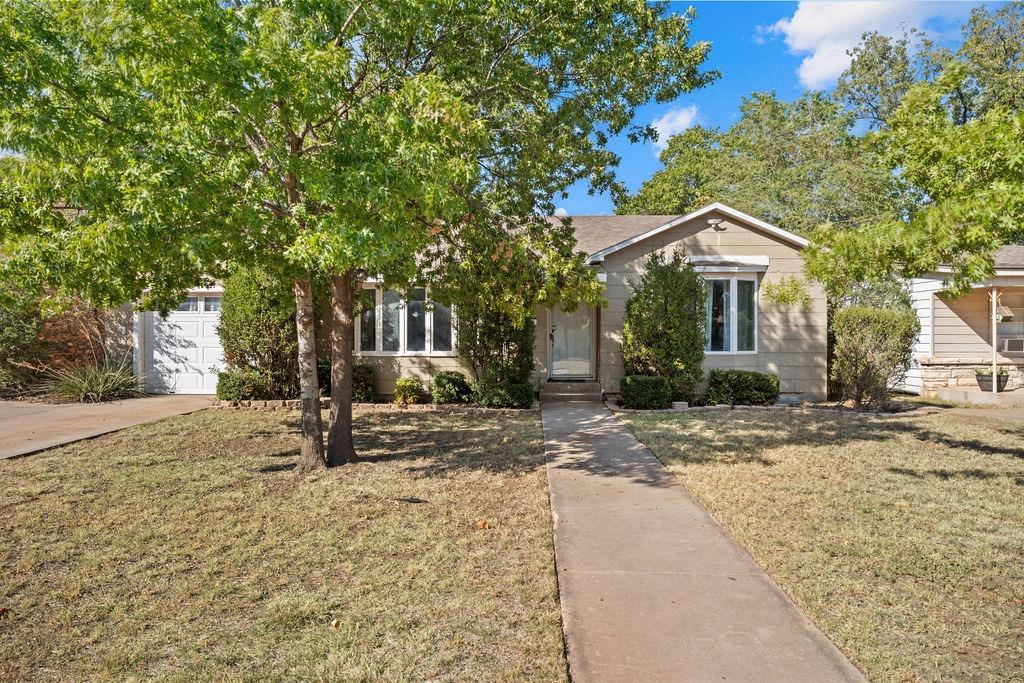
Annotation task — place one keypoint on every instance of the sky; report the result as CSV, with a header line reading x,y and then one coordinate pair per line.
x,y
788,47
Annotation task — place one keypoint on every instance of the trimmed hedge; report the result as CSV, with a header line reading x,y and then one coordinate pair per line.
x,y
244,385
409,390
645,392
741,388
506,395
451,387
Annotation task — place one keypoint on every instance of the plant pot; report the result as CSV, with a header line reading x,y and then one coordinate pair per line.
x,y
985,382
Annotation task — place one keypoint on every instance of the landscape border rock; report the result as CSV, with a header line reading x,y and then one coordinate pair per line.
x,y
325,404
778,407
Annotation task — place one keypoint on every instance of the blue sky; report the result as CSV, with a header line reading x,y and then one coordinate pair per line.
x,y
783,46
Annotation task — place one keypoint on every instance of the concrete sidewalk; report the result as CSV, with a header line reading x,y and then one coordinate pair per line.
x,y
29,427
652,587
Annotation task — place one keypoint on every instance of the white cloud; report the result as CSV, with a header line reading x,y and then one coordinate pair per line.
x,y
562,212
824,31
672,122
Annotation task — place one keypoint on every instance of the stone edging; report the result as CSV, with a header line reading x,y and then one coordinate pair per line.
x,y
924,410
325,404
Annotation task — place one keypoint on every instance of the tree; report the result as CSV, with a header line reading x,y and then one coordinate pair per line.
x,y
496,276
794,164
664,331
883,68
326,136
973,177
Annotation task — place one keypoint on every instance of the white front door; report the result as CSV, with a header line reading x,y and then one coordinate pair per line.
x,y
572,343
183,351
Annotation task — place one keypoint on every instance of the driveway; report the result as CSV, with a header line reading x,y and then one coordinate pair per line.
x,y
29,427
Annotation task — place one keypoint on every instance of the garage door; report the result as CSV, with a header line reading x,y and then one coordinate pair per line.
x,y
183,352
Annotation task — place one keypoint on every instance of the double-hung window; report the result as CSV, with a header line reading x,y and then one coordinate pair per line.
x,y
731,314
390,323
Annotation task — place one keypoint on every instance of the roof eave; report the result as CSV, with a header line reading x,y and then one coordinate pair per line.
x,y
775,231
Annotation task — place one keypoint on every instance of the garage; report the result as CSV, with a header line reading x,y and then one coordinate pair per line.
x,y
182,352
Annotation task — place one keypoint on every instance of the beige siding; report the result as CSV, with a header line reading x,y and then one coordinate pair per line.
x,y
963,326
791,342
390,368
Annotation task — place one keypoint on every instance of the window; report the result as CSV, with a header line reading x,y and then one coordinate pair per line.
x,y
731,315
442,328
391,313
211,304
368,320
189,305
416,321
389,323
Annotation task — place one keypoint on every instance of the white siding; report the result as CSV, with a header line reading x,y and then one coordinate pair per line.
x,y
922,295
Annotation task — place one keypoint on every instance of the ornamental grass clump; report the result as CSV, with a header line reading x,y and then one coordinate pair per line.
x,y
104,381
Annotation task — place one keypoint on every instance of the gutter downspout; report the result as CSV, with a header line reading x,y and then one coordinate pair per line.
x,y
995,354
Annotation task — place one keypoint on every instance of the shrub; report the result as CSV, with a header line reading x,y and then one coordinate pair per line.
x,y
105,381
364,383
451,387
507,395
21,324
244,385
644,392
741,388
664,328
257,330
873,349
493,347
409,390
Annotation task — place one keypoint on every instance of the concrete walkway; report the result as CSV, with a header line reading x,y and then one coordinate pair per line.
x,y
29,427
652,587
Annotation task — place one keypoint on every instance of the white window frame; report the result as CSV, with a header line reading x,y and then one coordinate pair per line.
x,y
734,328
403,317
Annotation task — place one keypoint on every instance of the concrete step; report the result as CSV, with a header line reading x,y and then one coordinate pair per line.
x,y
571,389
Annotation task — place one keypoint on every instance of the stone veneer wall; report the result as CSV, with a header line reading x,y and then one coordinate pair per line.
x,y
940,373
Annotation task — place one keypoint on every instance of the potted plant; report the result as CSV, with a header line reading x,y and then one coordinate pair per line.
x,y
984,377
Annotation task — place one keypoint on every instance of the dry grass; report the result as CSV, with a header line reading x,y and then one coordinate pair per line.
x,y
902,537
187,550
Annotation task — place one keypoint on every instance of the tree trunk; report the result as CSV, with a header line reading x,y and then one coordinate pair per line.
x,y
312,456
339,436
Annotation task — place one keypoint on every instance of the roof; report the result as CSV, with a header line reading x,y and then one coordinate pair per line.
x,y
599,236
595,233
1010,257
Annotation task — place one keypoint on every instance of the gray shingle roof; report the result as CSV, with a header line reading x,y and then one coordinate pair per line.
x,y
1009,257
594,233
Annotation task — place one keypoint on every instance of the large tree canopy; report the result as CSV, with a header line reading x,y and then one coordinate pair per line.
x,y
336,136
794,164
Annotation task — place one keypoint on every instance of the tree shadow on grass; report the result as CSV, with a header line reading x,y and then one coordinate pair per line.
x,y
947,474
741,437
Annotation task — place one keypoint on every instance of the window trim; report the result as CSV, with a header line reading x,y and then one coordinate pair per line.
x,y
734,313
428,343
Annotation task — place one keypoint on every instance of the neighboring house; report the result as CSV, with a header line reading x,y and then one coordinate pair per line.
x,y
959,334
401,335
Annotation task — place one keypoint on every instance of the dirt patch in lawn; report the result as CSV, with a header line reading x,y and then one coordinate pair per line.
x,y
188,549
903,538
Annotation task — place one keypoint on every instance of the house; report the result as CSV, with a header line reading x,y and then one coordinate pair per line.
x,y
404,334
962,334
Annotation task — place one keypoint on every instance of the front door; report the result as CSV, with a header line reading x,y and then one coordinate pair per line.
x,y
572,340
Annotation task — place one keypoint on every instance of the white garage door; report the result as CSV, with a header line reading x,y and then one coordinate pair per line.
x,y
183,352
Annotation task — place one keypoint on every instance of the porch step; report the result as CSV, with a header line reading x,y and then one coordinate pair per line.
x,y
568,390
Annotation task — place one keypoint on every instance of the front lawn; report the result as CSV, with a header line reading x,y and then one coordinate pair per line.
x,y
902,537
188,549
